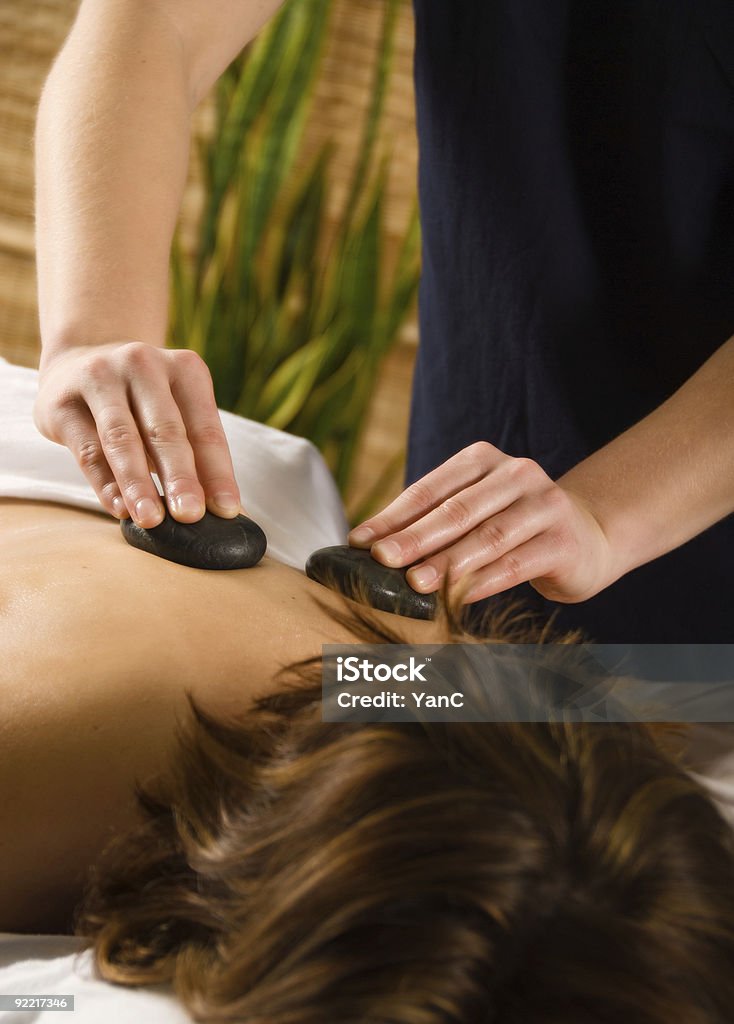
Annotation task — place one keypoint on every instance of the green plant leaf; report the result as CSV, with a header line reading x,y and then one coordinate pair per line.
x,y
361,274
286,110
298,235
288,387
383,66
357,188
254,74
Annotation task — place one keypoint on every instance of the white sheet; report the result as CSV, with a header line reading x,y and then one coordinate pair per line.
x,y
53,965
284,482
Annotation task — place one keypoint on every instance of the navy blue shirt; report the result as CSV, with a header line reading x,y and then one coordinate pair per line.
x,y
576,181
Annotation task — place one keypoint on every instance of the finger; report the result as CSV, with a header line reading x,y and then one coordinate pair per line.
x,y
126,456
163,432
461,513
538,557
193,392
460,471
79,434
496,535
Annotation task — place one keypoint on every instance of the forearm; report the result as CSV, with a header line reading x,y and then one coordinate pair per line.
x,y
670,476
112,143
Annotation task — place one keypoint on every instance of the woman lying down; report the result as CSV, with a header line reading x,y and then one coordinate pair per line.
x,y
275,868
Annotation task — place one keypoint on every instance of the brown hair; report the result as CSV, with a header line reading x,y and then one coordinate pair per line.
x,y
292,871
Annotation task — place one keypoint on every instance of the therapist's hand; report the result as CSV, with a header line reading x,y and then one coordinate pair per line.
x,y
498,518
127,408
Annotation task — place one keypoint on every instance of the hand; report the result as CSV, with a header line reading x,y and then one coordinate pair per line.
x,y
126,408
500,519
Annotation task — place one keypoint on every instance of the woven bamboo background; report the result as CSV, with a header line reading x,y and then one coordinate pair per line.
x,y
32,32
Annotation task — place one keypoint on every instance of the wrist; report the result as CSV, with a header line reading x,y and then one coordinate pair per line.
x,y
59,344
626,536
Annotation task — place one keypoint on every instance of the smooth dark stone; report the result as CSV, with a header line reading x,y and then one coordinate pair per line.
x,y
356,574
212,543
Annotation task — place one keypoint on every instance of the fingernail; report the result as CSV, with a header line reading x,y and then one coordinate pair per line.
x,y
148,513
227,503
361,535
119,507
389,551
424,577
188,505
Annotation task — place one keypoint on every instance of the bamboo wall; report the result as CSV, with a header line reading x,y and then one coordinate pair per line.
x,y
31,33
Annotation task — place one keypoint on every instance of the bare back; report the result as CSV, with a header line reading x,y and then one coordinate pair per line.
x,y
100,643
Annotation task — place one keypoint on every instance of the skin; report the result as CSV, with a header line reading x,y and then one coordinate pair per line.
x,y
100,643
112,143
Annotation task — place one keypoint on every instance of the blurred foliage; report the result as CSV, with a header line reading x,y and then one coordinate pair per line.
x,y
292,329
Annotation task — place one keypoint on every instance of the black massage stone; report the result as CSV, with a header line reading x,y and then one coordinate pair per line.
x,y
211,543
356,574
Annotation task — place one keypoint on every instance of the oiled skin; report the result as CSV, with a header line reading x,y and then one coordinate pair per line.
x,y
99,644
